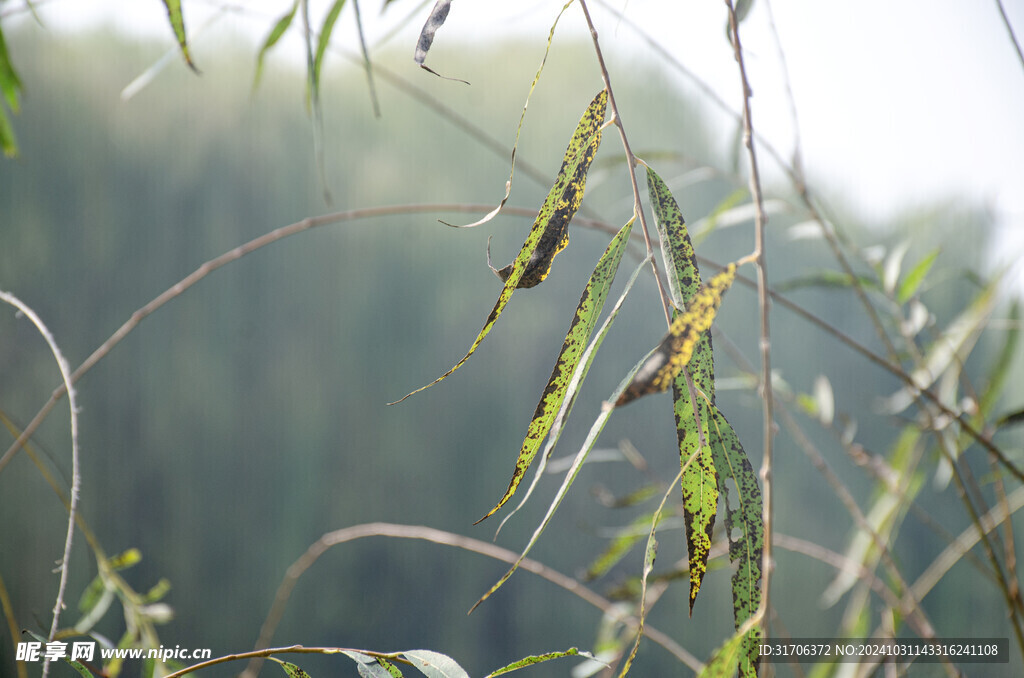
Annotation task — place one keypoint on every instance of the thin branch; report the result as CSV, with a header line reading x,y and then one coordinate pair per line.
x,y
304,562
760,219
226,258
76,479
1009,29
631,161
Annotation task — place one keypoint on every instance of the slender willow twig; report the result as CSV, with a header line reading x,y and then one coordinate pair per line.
x,y
76,477
760,219
315,550
631,161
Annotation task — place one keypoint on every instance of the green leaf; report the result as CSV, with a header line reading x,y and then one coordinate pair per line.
x,y
292,670
535,659
570,476
519,128
745,527
650,553
178,26
699,482
158,591
548,228
564,198
582,326
1000,369
391,669
677,347
275,34
123,561
618,548
912,281
723,662
81,668
8,141
577,378
434,664
676,248
321,46
10,83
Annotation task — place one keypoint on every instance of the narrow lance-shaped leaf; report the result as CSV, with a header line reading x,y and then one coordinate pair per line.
x,y
178,26
519,129
437,17
275,34
321,47
699,482
292,670
581,151
912,282
574,384
582,326
676,348
745,527
570,475
536,659
618,548
10,86
560,207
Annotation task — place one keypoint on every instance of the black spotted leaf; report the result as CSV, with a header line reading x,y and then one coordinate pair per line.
x,y
567,190
582,326
745,527
437,17
676,348
177,20
699,481
536,659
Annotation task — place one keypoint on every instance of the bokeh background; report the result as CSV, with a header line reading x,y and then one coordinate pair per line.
x,y
248,417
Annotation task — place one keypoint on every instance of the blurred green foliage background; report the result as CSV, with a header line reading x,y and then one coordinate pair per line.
x,y
247,417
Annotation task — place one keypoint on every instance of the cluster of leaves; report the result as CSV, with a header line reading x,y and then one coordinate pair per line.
x,y
710,451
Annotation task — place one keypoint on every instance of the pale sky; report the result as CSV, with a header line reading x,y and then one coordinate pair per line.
x,y
899,103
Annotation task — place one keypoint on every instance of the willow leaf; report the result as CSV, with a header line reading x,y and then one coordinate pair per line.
x,y
699,482
8,140
434,664
678,345
536,659
10,83
618,548
580,152
275,34
570,477
582,326
912,281
292,670
650,552
745,527
519,129
574,384
676,249
564,198
392,670
177,20
321,46
437,17
723,662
